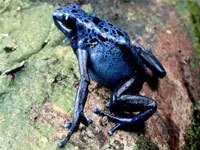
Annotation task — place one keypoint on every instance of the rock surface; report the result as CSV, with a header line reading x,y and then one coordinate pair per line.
x,y
39,77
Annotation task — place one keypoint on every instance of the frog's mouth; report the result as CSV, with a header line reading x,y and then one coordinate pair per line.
x,y
63,21
62,26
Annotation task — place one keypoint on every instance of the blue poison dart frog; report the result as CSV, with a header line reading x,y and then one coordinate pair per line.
x,y
105,54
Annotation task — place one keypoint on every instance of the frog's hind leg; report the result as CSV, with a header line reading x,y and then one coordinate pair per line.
x,y
146,105
125,102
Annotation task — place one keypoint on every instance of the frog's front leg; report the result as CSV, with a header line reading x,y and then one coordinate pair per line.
x,y
124,101
81,96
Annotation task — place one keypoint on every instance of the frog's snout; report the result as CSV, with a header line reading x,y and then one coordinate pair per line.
x,y
58,15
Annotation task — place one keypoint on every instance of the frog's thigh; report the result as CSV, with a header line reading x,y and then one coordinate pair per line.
x,y
133,103
133,85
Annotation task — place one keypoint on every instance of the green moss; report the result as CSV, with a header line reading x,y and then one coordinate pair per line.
x,y
144,143
192,135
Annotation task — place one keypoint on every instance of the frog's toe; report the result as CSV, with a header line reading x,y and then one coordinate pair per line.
x,y
96,110
113,129
110,133
108,105
101,113
68,124
85,120
64,41
60,144
90,121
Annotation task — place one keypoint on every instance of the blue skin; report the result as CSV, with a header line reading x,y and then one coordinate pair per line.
x,y
105,54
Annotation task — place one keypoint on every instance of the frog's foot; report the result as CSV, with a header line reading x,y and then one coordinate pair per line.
x,y
73,126
64,41
102,113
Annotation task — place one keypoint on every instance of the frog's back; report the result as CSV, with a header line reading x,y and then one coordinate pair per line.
x,y
90,27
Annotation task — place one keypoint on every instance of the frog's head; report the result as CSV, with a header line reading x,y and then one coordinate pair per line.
x,y
65,19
